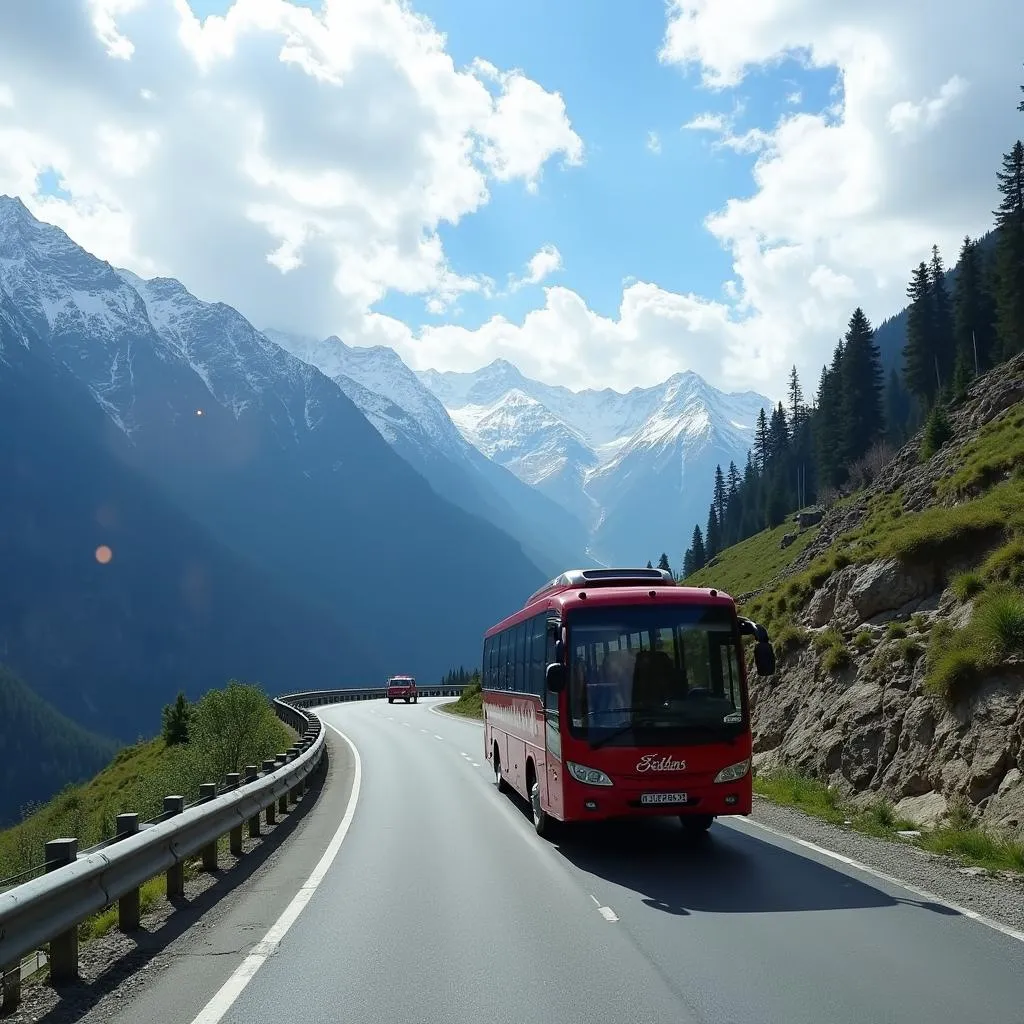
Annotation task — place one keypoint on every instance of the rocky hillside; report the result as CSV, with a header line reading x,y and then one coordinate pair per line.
x,y
900,627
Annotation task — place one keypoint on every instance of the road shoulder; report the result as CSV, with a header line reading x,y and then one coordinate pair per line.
x,y
993,896
180,957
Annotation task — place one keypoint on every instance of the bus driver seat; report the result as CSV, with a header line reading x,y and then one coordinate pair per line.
x,y
653,679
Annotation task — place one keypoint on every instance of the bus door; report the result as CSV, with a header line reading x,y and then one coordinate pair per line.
x,y
552,723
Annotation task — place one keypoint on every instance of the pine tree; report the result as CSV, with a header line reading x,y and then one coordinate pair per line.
x,y
973,313
778,435
750,498
942,321
720,494
663,563
861,414
1009,295
963,374
796,401
829,423
733,481
897,410
762,445
697,550
918,353
713,535
937,431
176,720
649,566
733,524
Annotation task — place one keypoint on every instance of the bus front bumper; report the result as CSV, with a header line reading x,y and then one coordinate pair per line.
x,y
595,803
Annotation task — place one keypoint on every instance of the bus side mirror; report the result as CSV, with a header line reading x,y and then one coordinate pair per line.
x,y
554,677
764,657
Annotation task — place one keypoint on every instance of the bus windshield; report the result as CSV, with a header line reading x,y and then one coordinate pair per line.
x,y
654,673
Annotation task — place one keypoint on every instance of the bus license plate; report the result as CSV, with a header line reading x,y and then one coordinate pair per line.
x,y
663,798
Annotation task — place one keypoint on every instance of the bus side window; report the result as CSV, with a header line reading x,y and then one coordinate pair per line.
x,y
485,667
502,682
536,644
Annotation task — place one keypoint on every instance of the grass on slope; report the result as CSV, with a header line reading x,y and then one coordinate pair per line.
x,y
469,704
958,838
138,779
753,562
33,733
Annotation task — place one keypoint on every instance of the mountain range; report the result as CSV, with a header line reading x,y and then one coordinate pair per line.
x,y
261,526
634,468
294,511
577,478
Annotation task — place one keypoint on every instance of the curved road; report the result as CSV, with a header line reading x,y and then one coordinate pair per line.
x,y
442,905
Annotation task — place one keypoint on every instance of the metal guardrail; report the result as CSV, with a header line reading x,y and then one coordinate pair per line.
x,y
49,908
317,698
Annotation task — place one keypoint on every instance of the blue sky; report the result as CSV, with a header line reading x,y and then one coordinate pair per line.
x,y
627,212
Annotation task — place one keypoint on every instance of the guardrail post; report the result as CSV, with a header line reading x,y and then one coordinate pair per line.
x,y
11,990
63,948
176,872
235,841
268,766
251,774
282,800
207,791
293,796
128,906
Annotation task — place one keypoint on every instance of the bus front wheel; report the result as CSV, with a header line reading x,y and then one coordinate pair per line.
x,y
541,822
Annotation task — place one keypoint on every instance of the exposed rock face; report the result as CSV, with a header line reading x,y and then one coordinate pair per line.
x,y
871,728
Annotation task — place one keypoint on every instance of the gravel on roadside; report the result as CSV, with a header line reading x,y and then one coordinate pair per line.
x,y
998,895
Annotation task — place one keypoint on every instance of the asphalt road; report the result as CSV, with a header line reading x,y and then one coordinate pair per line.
x,y
442,905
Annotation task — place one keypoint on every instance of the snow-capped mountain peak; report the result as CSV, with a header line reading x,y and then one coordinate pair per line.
x,y
634,465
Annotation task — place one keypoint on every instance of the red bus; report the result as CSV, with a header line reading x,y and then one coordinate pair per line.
x,y
615,693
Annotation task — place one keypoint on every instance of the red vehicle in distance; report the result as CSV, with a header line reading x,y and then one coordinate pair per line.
x,y
402,688
615,693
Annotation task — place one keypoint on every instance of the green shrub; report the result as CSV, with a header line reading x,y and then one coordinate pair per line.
x,y
863,639
1006,563
835,658
967,585
998,624
937,431
789,638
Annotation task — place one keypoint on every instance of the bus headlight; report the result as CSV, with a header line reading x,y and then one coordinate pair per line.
x,y
733,772
590,776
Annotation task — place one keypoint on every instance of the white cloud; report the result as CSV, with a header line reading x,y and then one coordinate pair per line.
x,y
844,201
283,163
654,143
546,261
708,123
275,158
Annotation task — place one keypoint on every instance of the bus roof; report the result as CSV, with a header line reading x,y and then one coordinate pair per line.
x,y
572,579
573,589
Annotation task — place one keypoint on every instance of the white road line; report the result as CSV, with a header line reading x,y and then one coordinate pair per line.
x,y
1013,933
436,737
475,765
407,725
606,912
226,995
988,922
423,730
